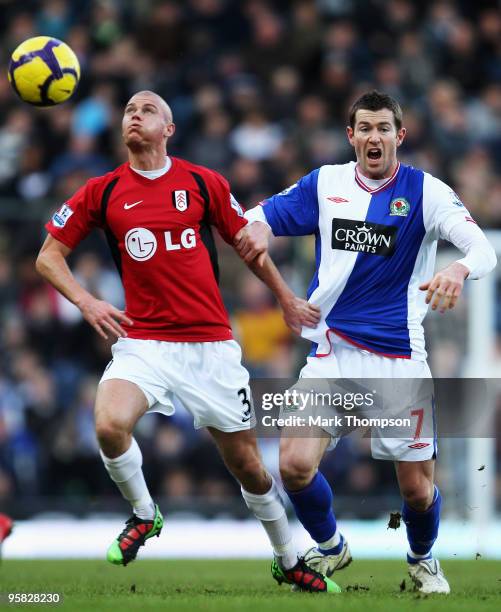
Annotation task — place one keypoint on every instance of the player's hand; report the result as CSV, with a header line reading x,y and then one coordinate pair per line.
x,y
299,312
445,287
251,242
104,317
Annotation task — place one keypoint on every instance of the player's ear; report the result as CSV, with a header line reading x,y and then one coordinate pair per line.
x,y
401,135
170,128
349,134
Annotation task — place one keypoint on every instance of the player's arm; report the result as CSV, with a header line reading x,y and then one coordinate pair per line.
x,y
297,312
252,241
293,212
51,264
228,218
445,287
480,258
453,222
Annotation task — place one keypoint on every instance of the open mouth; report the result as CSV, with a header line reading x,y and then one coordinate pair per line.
x,y
374,154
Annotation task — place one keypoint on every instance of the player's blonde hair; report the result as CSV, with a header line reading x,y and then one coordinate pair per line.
x,y
166,109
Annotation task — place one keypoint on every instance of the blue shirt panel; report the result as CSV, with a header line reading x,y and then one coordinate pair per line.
x,y
294,211
372,310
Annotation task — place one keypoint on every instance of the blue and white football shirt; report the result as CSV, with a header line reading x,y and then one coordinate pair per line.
x,y
373,250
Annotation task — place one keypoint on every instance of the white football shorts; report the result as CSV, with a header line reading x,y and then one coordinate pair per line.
x,y
406,386
207,378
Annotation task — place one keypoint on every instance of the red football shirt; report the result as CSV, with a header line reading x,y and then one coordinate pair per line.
x,y
160,238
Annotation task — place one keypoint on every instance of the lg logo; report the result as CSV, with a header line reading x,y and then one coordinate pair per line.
x,y
141,244
187,240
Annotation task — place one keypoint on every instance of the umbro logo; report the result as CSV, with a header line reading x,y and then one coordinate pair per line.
x,y
127,206
419,445
337,199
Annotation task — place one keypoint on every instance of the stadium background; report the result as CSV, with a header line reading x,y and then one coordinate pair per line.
x,y
260,92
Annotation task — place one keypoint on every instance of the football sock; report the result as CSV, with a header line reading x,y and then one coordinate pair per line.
x,y
126,472
422,528
313,506
269,509
332,546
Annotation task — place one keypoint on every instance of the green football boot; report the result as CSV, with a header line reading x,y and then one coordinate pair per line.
x,y
303,578
124,549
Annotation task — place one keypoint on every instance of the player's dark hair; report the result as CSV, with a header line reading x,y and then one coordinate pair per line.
x,y
375,100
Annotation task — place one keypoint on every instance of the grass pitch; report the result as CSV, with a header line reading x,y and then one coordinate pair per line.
x,y
243,586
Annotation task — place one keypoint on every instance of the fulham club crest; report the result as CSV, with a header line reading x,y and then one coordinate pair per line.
x,y
181,199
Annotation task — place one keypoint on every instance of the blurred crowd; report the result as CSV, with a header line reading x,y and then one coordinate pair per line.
x,y
260,92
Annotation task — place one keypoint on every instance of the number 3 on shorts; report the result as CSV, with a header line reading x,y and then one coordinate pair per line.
x,y
243,394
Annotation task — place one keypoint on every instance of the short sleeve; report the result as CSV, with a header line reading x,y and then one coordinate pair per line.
x,y
74,220
224,211
294,211
442,208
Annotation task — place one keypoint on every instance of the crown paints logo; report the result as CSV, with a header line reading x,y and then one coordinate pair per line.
x,y
363,237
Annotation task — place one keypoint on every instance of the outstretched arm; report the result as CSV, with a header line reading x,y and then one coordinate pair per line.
x,y
297,312
51,264
251,242
446,286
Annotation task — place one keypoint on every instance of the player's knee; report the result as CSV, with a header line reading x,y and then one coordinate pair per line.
x,y
296,471
418,496
109,434
247,470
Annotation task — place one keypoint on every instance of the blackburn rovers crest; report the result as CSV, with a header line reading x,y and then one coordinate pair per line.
x,y
399,207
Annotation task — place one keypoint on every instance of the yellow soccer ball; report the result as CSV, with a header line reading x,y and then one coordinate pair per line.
x,y
44,71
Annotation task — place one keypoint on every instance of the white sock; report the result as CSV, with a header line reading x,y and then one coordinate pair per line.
x,y
126,472
331,542
418,557
268,509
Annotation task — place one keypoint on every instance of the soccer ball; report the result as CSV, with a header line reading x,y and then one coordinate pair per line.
x,y
44,71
